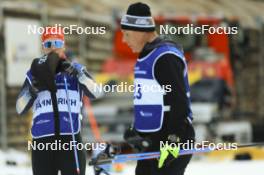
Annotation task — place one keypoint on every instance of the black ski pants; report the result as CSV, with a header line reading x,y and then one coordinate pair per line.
x,y
50,162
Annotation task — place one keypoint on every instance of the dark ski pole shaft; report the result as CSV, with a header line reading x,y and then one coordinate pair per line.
x,y
72,130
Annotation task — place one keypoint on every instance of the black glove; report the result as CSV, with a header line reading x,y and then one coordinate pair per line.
x,y
99,169
74,69
138,143
44,70
108,153
67,67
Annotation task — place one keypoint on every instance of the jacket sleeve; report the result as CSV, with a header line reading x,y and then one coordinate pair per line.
x,y
89,86
25,98
169,70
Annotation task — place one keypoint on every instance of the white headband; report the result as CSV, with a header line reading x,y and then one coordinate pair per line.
x,y
138,21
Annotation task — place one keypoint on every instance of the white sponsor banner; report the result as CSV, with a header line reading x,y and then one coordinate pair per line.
x,y
20,48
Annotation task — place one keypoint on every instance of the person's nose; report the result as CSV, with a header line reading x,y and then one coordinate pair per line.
x,y
53,48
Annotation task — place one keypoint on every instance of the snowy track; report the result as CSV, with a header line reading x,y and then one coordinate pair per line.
x,y
195,168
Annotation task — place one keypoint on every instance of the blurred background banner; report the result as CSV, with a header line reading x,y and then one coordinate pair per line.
x,y
20,51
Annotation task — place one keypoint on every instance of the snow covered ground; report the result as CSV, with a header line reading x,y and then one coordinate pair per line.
x,y
201,167
195,168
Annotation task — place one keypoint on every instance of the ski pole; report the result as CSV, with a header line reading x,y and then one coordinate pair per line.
x,y
184,152
153,155
72,131
142,156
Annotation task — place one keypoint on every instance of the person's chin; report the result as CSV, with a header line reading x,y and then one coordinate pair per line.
x,y
135,50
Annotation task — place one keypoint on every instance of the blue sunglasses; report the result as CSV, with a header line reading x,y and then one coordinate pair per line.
x,y
56,43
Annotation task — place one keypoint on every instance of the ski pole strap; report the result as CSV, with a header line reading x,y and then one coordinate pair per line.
x,y
56,113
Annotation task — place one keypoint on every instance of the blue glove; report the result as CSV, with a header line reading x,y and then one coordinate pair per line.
x,y
78,67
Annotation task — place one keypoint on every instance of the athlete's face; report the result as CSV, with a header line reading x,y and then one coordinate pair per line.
x,y
134,39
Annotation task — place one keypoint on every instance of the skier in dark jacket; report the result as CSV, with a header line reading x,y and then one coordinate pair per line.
x,y
160,116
